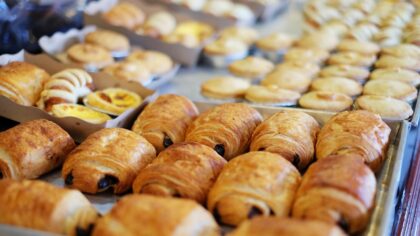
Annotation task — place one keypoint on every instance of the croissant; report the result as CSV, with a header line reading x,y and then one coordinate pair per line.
x,y
66,86
42,206
292,134
32,149
227,128
186,170
355,132
165,121
145,215
337,189
109,158
256,183
281,226
22,82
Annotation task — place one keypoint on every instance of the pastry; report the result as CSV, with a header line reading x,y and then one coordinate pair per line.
x,y
351,45
352,59
337,84
241,13
391,88
32,149
66,86
224,87
113,101
408,63
326,101
135,71
22,82
256,183
363,32
90,56
358,74
338,189
386,107
195,5
413,37
218,7
308,68
351,16
320,40
165,121
274,42
156,62
313,55
403,50
292,134
110,40
251,67
185,170
247,35
84,113
158,25
193,32
360,133
145,215
337,28
283,226
291,80
403,75
41,206
271,95
226,128
222,52
108,158
186,40
125,14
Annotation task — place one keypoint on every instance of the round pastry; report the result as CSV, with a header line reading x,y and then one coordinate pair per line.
x,y
90,56
224,87
130,71
195,5
386,107
336,28
245,34
363,32
186,40
403,50
190,33
125,14
159,24
362,47
274,42
271,95
241,13
158,63
321,40
109,40
251,67
113,101
408,63
217,7
222,52
308,68
358,74
403,75
391,88
291,80
79,111
312,55
326,101
413,37
352,59
337,84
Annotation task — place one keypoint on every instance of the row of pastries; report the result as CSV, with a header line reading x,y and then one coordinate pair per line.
x,y
245,170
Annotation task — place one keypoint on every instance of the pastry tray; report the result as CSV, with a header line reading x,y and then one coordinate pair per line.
x,y
388,179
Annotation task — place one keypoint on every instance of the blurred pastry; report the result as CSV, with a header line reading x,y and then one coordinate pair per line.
x,y
190,33
108,158
32,149
363,32
251,68
337,84
408,63
90,56
84,113
313,55
247,35
222,52
242,13
195,5
386,107
413,37
320,40
326,101
337,28
352,59
274,45
403,75
110,40
156,62
351,16
403,50
271,95
113,101
218,7
308,68
158,24
224,87
358,74
291,80
135,71
391,88
125,14
362,47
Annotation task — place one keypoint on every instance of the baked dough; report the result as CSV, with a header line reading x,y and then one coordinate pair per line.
x,y
313,55
251,67
158,25
247,35
108,158
125,14
110,40
256,183
403,75
145,215
308,68
321,40
359,133
347,71
226,47
134,71
387,61
391,88
403,50
113,101
89,56
362,47
156,62
275,42
288,79
185,170
32,149
292,134
165,121
326,101
272,95
352,58
79,111
386,107
224,87
42,206
338,189
226,128
337,84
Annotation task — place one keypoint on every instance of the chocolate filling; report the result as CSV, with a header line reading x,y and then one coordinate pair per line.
x,y
220,149
272,212
255,211
107,182
296,160
177,195
217,215
343,224
261,149
167,141
69,179
84,232
1,175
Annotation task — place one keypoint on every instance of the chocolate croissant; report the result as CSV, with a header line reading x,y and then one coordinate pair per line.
x,y
32,149
186,170
337,189
282,226
42,206
256,183
226,128
109,158
165,121
355,132
292,134
145,215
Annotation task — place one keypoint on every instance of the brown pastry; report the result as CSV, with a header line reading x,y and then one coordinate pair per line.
x,y
391,88
158,25
145,215
282,226
256,183
408,63
186,170
156,62
358,74
251,68
313,55
125,14
165,121
359,133
22,82
271,95
352,58
288,79
227,128
338,189
308,68
109,158
110,40
90,56
32,149
292,134
134,71
337,84
362,47
403,50
386,107
224,87
42,206
321,40
403,75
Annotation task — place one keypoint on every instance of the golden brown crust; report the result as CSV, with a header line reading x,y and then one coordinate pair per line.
x,y
89,55
256,183
109,158
110,40
186,170
32,149
338,189
156,62
352,58
125,14
165,121
227,128
292,134
129,71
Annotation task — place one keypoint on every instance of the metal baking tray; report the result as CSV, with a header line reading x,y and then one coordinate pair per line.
x,y
388,180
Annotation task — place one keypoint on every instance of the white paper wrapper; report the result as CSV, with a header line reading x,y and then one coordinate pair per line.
x,y
6,58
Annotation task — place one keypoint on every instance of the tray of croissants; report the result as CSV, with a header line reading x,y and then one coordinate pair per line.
x,y
186,168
